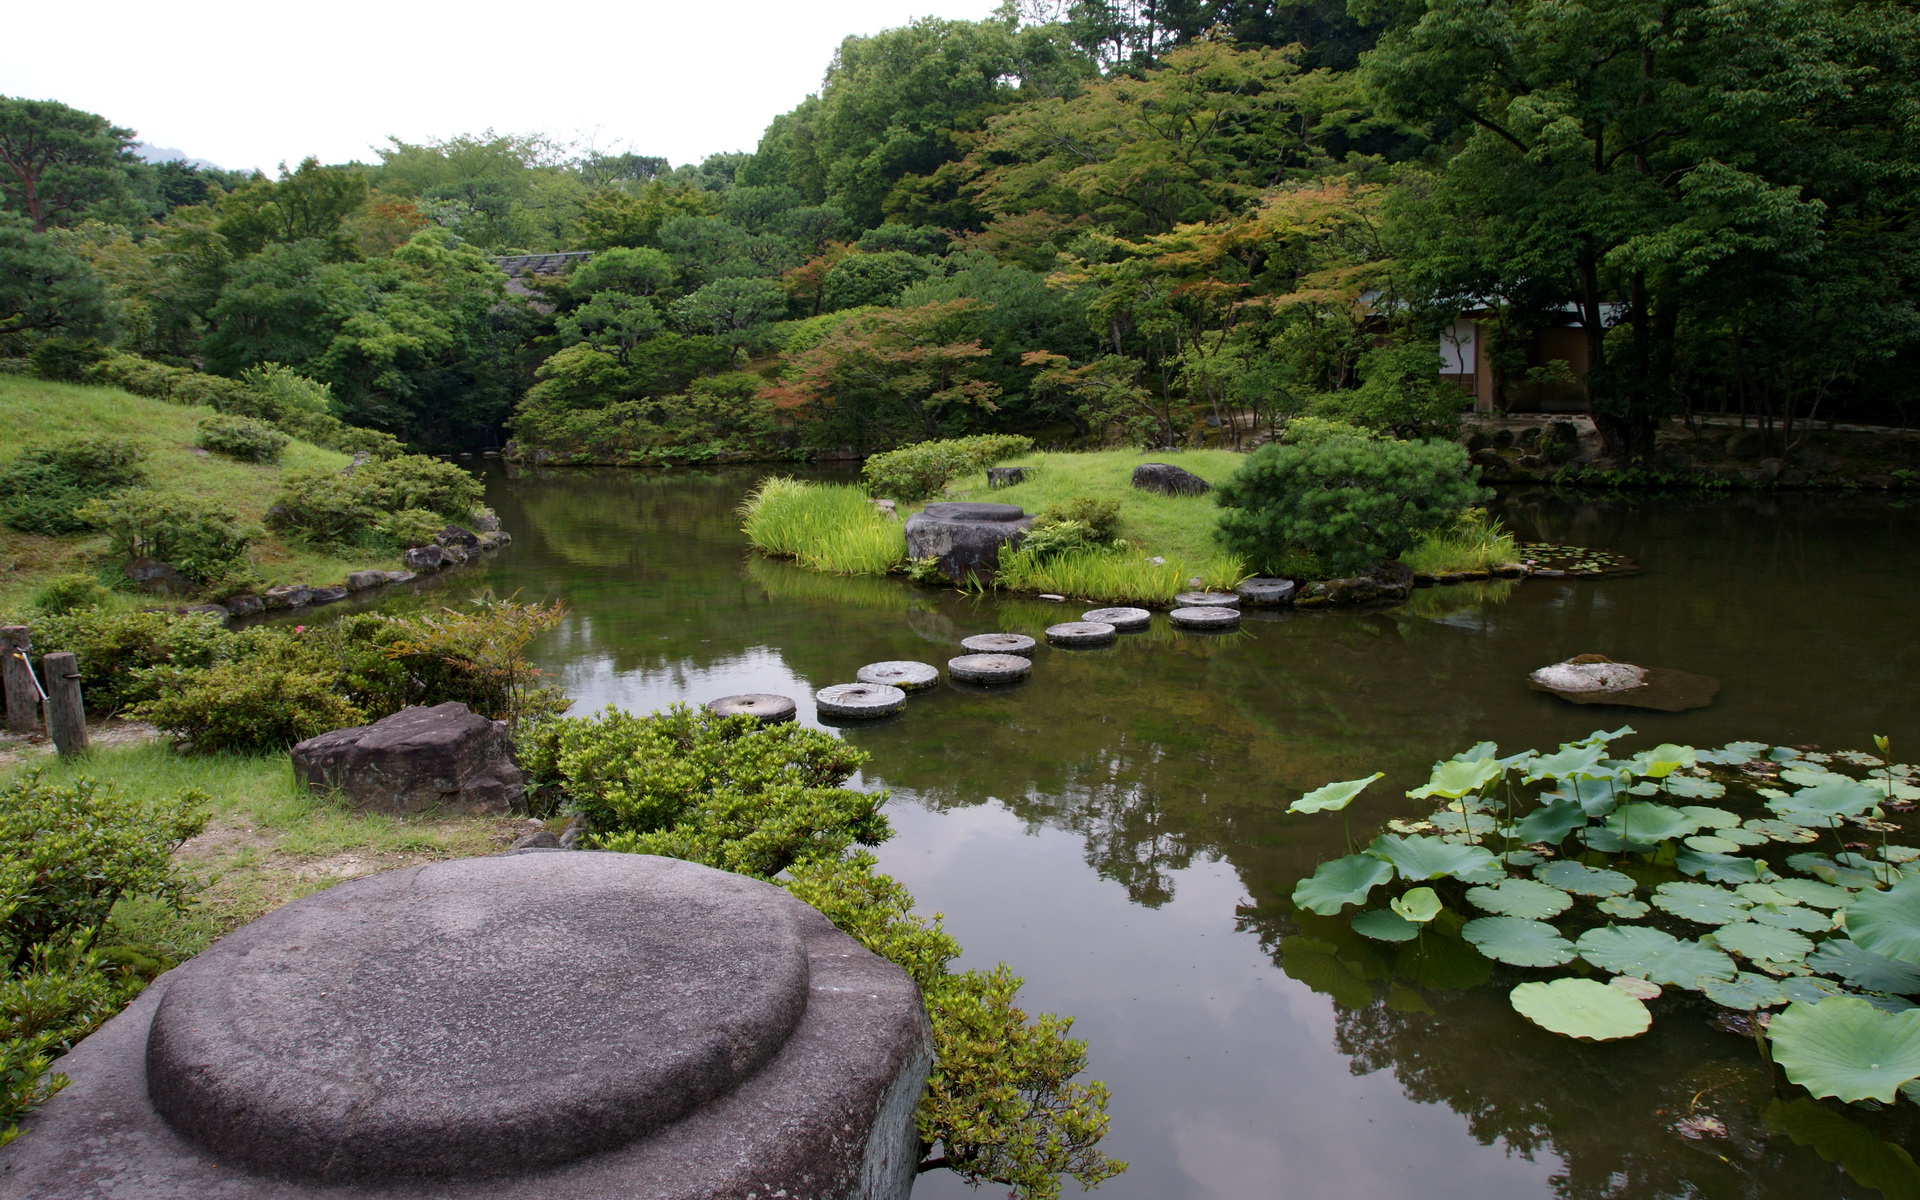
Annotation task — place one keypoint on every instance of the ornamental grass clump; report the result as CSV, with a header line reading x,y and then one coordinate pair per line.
x,y
825,527
1474,542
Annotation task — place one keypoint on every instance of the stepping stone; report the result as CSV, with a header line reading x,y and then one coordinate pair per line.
x,y
1207,600
1082,633
990,668
901,673
860,700
771,709
999,643
1126,620
1211,617
1266,593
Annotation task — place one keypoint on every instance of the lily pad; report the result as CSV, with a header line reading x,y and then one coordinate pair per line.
x,y
1732,754
1746,990
1763,943
1582,1008
1688,787
1888,922
1520,898
1762,893
1864,968
1384,925
1419,905
1582,880
1700,902
1638,988
1778,830
1651,954
1518,942
1418,858
1791,916
1661,761
1341,882
1711,844
1647,824
1834,796
1454,778
1334,796
1740,836
1809,989
1551,822
1624,907
1569,762
1721,868
1476,824
1846,1048
1596,797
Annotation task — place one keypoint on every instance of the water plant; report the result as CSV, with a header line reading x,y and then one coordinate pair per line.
x,y
1474,542
826,527
1754,877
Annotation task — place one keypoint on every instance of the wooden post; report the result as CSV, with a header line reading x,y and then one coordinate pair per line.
x,y
66,713
23,698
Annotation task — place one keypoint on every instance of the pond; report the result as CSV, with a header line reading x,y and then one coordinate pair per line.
x,y
1115,829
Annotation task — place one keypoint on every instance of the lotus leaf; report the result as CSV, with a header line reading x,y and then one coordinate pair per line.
x,y
1520,898
1721,868
1783,754
1763,943
1522,858
1476,825
1570,762
1624,907
1654,955
1810,892
1341,882
1837,796
1712,818
1888,923
1808,773
1690,788
1595,796
1598,738
1606,841
1639,989
1419,905
1401,998
1582,1008
1318,965
1420,858
1650,823
1780,831
1334,796
1661,761
1700,902
1740,836
1846,1048
1868,1160
1885,873
1733,754
1385,925
1440,963
1810,989
1864,968
1582,880
1746,990
1891,1004
1900,854
1551,822
1791,916
1518,942
1708,844
1455,778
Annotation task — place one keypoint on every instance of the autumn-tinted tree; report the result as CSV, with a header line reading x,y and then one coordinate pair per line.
x,y
891,373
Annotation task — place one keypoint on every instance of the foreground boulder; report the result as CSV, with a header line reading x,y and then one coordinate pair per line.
x,y
965,539
1597,679
529,1026
1168,480
416,759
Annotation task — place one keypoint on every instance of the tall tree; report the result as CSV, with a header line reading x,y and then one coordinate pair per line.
x,y
45,288
311,203
57,161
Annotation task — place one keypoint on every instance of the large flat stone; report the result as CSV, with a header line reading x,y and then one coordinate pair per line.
x,y
965,539
418,758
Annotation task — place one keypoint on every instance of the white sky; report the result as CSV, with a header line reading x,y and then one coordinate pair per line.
x,y
251,84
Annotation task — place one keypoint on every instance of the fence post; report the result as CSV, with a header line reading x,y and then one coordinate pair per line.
x,y
23,697
66,713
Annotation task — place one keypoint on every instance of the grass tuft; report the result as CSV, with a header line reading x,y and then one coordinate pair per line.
x,y
1475,542
1114,576
829,527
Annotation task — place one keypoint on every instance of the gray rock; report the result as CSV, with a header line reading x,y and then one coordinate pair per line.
x,y
1215,616
1168,480
1207,600
699,1035
360,581
1489,458
1388,583
965,539
1597,679
1503,438
399,576
989,668
426,558
1530,435
160,578
244,606
904,674
454,535
416,759
326,595
771,709
539,839
287,595
859,700
1126,620
1532,462
455,553
571,836
486,522
495,539
1266,592
998,477
1746,443
999,643
1082,633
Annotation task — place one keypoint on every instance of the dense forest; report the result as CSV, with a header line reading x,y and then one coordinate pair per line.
x,y
1170,222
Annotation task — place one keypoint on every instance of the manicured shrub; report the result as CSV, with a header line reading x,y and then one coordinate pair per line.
x,y
69,593
243,438
1100,516
1352,502
43,488
201,538
113,648
920,471
409,527
335,508
326,508
257,703
67,359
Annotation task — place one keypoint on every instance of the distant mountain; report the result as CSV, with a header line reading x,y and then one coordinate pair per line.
x,y
162,154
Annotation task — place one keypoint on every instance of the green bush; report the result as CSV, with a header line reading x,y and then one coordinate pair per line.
x,y
343,507
920,471
1353,502
43,488
201,538
243,438
113,648
67,359
327,508
259,703
1056,538
409,527
69,593
1400,392
1101,517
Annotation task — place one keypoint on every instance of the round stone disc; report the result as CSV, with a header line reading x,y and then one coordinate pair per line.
x,y
1211,617
859,700
989,668
1265,592
1082,633
1207,599
477,1017
904,674
1126,620
771,709
998,643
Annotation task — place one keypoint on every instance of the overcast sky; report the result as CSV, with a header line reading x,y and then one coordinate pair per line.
x,y
252,84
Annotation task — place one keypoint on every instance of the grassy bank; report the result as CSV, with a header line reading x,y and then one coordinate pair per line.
x,y
35,412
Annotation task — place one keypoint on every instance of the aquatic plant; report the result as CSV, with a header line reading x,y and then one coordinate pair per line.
x,y
1111,575
825,526
1702,871
1474,542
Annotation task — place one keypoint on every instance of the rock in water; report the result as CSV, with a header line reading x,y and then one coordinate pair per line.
x,y
416,759
1168,480
1212,616
1207,600
965,539
999,643
904,674
771,709
1265,592
859,700
1596,679
1082,633
989,668
1589,673
1126,620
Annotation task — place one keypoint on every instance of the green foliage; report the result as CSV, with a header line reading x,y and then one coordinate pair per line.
x,y
201,538
266,699
1400,393
877,278
1582,1008
69,593
1099,514
243,438
333,508
1354,503
1474,542
46,288
409,527
923,470
43,488
114,648
826,527
1056,538
1846,1047
62,163
1111,576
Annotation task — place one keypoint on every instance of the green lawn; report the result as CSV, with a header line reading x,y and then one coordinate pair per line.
x,y
34,411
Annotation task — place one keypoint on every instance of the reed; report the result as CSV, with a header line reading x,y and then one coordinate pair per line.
x,y
1113,576
829,527
1475,542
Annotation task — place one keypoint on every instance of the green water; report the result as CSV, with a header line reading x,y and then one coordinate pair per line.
x,y
1114,829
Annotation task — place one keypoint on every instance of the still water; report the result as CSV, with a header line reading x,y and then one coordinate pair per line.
x,y
1114,829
